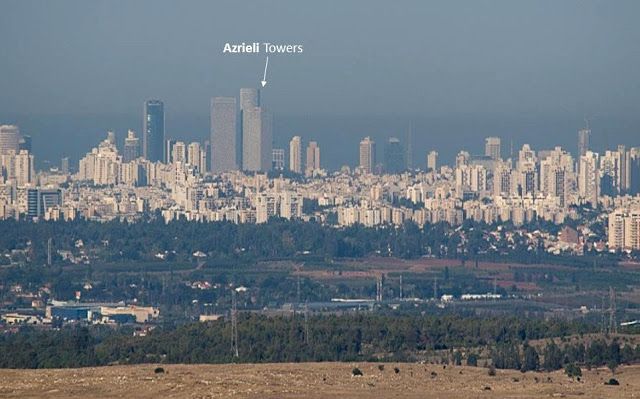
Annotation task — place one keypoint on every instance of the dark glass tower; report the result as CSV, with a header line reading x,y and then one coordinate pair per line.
x,y
153,131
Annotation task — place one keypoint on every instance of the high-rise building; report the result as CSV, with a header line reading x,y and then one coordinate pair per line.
x,y
584,137
493,148
249,98
313,158
367,155
179,153
9,139
168,148
432,160
624,178
588,178
40,200
153,131
257,139
224,149
131,147
64,165
295,154
277,159
24,170
394,156
634,170
195,156
624,229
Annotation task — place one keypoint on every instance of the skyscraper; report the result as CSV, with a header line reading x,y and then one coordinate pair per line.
x,y
223,134
256,139
313,158
432,160
131,147
153,131
249,98
394,156
624,179
64,165
295,154
493,148
367,155
584,137
9,138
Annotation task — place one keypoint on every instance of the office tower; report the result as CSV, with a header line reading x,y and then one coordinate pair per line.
x,y
179,153
64,165
394,156
224,149
624,181
9,139
527,172
313,158
367,155
168,148
295,154
249,98
256,139
493,148
277,159
584,138
24,171
25,143
432,161
153,131
131,147
588,178
40,200
634,170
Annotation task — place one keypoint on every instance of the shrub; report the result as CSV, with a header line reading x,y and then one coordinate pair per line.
x,y
356,372
472,360
158,370
612,381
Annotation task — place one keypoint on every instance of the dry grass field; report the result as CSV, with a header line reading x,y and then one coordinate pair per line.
x,y
311,380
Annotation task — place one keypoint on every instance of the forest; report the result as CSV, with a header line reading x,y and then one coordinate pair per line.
x,y
354,337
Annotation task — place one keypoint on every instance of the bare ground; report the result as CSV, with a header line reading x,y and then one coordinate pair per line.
x,y
311,380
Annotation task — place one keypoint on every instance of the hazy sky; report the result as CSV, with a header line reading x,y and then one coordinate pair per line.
x,y
422,59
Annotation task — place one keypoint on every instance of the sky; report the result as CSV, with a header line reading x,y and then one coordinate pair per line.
x,y
457,70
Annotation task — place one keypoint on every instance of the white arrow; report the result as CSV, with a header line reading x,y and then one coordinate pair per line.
x,y
264,77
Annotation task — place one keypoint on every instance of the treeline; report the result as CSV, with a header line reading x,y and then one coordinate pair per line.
x,y
276,339
228,243
570,355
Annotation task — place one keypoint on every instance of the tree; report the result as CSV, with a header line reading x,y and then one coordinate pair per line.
x,y
552,357
472,360
531,359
